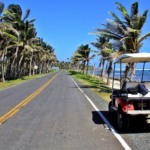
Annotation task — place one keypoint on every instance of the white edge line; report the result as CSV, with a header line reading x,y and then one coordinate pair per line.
x,y
116,134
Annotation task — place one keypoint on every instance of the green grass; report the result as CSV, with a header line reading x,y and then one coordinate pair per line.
x,y
96,85
9,83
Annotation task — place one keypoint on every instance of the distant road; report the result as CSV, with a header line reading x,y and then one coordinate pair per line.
x,y
52,114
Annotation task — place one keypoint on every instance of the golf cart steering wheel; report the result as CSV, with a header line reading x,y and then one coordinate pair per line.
x,y
123,80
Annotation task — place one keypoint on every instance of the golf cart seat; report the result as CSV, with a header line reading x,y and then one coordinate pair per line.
x,y
134,90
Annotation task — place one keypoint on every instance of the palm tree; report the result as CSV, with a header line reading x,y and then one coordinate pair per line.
x,y
126,31
20,31
3,44
75,60
83,54
20,49
105,50
46,56
3,54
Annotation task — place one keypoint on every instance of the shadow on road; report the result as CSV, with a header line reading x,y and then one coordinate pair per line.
x,y
136,126
96,118
87,86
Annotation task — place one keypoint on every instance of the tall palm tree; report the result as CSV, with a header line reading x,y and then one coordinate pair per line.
x,y
20,49
45,56
84,54
3,53
20,31
22,42
127,31
3,43
105,50
75,60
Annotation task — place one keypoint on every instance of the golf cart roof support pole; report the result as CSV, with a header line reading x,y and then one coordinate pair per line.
x,y
113,79
143,71
120,73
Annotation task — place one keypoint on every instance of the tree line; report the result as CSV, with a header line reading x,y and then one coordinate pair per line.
x,y
119,35
21,51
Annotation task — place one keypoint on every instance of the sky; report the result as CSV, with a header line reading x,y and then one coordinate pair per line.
x,y
66,24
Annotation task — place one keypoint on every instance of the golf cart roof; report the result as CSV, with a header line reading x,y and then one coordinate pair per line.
x,y
133,58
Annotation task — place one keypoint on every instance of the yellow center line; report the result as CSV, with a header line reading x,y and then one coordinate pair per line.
x,y
24,102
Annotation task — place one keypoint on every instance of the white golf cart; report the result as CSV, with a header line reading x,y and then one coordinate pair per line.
x,y
133,97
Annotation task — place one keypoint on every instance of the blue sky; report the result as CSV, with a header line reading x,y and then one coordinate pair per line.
x,y
66,24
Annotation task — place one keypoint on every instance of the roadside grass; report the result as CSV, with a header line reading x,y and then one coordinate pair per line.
x,y
9,83
96,85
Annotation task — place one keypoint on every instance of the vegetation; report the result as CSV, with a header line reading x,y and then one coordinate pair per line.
x,y
105,50
21,51
64,65
125,32
82,55
119,35
10,83
96,85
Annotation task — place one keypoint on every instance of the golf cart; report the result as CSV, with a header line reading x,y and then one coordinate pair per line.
x,y
132,98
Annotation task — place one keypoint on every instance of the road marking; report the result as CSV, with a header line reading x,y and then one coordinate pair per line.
x,y
116,134
24,102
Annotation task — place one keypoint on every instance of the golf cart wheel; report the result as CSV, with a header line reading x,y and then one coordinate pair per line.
x,y
120,120
111,111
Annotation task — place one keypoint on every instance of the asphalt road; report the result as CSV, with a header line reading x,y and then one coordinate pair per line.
x,y
58,117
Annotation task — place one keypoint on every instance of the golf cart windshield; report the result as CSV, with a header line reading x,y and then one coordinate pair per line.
x,y
142,70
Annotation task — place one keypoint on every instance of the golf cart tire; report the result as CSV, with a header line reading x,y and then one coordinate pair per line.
x,y
121,120
111,111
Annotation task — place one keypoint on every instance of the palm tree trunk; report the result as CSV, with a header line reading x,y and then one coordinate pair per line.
x,y
83,66
30,64
133,66
109,72
15,56
3,71
3,67
126,71
102,71
87,66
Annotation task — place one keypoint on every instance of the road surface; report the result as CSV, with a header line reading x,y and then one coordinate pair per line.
x,y
51,113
